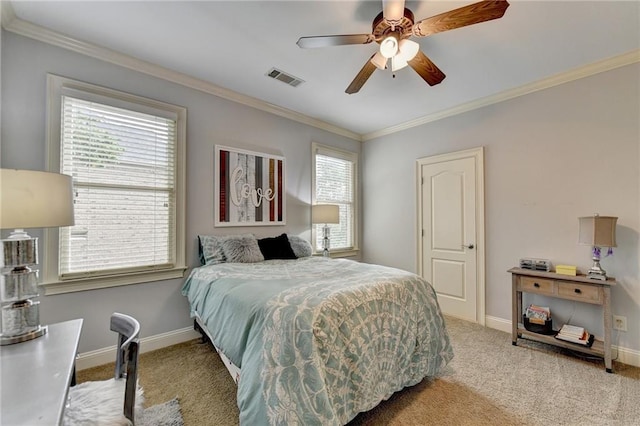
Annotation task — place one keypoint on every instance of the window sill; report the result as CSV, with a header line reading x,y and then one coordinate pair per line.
x,y
94,283
340,253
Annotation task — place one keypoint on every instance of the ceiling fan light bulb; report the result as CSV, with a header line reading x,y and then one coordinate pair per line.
x,y
397,63
408,49
379,61
389,47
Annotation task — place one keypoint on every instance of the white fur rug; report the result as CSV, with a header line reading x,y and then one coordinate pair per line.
x,y
165,414
101,403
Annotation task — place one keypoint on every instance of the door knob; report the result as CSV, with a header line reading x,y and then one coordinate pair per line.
x,y
470,246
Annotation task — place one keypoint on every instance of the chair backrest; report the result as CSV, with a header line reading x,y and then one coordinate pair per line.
x,y
127,350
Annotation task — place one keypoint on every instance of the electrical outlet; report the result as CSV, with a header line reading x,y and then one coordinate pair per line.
x,y
619,323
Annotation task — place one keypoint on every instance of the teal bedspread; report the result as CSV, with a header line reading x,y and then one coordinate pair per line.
x,y
319,340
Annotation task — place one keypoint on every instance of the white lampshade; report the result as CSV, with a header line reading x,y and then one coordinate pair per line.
x,y
35,199
389,47
379,61
397,63
598,231
408,49
325,213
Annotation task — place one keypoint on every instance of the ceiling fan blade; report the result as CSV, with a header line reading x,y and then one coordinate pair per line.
x,y
362,77
393,11
427,69
461,17
334,40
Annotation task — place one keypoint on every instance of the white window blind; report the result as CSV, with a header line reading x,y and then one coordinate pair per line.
x,y
335,182
123,166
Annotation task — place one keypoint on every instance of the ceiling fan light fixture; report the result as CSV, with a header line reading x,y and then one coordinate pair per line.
x,y
379,61
397,63
408,49
389,47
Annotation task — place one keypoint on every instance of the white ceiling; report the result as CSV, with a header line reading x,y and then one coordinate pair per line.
x,y
233,44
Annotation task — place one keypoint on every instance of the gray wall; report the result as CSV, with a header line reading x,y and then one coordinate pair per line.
x,y
159,306
550,157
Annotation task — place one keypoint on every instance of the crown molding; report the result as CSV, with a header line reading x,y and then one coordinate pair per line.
x,y
12,23
555,80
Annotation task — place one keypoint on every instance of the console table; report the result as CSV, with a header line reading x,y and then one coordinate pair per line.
x,y
36,375
577,288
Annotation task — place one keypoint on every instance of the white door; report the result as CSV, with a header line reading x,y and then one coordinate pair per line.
x,y
451,243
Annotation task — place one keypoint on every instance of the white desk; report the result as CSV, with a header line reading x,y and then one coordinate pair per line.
x,y
36,376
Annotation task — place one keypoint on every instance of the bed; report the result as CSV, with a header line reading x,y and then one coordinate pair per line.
x,y
315,341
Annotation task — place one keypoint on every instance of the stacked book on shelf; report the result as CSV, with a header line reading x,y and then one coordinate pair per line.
x,y
575,334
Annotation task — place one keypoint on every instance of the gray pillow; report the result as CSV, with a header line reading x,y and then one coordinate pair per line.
x,y
242,249
300,246
210,249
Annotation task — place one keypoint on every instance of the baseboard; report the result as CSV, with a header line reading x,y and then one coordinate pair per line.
x,y
147,344
625,355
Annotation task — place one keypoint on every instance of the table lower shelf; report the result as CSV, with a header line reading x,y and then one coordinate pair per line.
x,y
596,349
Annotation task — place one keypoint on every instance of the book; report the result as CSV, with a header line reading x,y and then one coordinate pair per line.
x,y
585,340
537,314
572,331
575,334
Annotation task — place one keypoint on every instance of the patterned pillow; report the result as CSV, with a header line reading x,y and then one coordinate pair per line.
x,y
300,246
210,249
242,249
276,248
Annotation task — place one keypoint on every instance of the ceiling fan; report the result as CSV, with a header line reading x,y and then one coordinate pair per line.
x,y
392,30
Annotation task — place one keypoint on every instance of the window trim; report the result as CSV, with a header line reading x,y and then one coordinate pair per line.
x,y
51,282
330,151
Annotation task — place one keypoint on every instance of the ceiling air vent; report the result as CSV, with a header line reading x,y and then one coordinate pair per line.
x,y
284,77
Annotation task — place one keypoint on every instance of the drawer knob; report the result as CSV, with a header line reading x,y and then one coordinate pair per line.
x,y
536,285
577,290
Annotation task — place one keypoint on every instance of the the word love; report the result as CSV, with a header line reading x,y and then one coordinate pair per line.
x,y
256,195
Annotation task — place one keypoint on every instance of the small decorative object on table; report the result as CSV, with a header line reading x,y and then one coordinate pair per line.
x,y
535,264
566,270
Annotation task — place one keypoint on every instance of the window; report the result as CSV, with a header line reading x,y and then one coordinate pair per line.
x,y
335,182
126,157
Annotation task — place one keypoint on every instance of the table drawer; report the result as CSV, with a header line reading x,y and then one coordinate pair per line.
x,y
581,292
536,285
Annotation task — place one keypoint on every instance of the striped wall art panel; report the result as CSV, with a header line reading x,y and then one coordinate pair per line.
x,y
249,188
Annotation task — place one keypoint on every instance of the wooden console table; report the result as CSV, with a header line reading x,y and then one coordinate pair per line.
x,y
577,288
36,375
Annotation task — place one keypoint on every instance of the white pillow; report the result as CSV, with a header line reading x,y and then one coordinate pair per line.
x,y
242,249
300,246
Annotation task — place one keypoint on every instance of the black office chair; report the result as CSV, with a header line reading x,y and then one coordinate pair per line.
x,y
114,401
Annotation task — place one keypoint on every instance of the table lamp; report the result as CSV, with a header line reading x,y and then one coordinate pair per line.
x,y
28,199
597,231
325,213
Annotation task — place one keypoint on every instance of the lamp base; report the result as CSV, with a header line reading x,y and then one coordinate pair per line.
x,y
596,275
596,272
326,232
10,340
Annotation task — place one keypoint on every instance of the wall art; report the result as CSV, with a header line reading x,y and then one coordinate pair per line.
x,y
249,188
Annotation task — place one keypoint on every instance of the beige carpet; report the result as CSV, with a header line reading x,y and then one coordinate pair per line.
x,y
489,382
